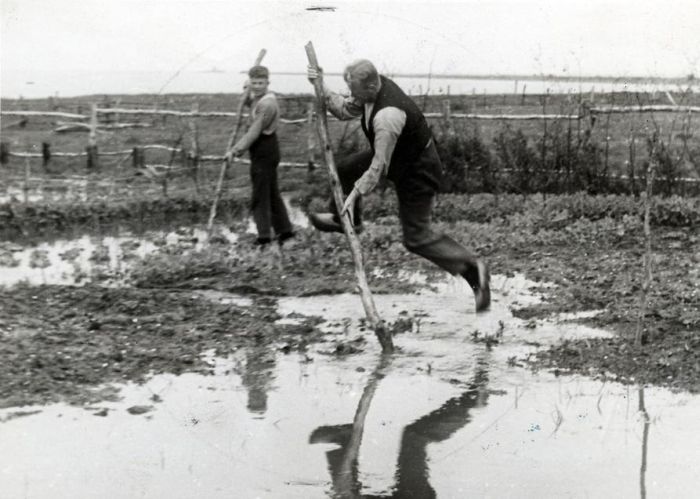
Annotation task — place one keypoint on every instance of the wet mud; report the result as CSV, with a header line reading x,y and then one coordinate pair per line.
x,y
97,310
449,415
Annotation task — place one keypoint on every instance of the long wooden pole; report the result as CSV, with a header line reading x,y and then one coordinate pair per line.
x,y
375,321
231,142
647,260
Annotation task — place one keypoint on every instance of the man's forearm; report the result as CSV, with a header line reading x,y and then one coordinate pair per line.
x,y
369,180
384,144
341,107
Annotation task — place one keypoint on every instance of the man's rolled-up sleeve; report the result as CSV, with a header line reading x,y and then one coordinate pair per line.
x,y
388,125
343,108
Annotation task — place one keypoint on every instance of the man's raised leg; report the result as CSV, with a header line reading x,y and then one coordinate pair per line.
x,y
350,168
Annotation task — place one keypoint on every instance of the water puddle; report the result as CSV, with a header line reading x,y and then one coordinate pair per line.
x,y
15,195
449,415
76,261
51,190
104,257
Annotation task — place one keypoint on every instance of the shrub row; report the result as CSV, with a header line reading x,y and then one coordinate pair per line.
x,y
561,161
673,211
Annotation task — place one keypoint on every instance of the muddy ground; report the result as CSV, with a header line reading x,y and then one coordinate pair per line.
x,y
62,342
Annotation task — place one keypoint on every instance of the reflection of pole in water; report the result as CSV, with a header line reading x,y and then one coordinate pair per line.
x,y
348,468
645,445
412,467
342,462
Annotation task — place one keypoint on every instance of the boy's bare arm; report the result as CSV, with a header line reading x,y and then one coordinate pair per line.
x,y
250,136
265,114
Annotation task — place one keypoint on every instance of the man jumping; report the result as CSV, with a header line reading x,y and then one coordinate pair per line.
x,y
402,150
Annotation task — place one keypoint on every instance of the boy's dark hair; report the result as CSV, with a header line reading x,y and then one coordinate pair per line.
x,y
259,72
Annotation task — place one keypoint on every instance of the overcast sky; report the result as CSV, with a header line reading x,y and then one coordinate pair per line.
x,y
575,37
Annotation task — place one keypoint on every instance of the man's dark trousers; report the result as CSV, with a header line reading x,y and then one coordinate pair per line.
x,y
269,211
417,184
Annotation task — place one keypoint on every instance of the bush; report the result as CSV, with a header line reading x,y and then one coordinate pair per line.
x,y
467,162
516,158
451,151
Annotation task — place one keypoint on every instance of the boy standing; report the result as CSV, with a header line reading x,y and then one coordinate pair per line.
x,y
269,211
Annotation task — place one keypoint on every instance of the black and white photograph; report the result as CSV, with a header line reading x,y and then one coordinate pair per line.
x,y
349,249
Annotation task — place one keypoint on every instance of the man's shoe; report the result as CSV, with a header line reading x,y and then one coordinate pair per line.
x,y
479,278
327,222
482,293
284,236
262,241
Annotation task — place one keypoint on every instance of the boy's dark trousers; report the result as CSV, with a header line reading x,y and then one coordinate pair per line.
x,y
417,184
269,211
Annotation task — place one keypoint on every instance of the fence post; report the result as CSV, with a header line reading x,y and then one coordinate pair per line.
x,y
154,120
544,177
165,183
632,161
135,157
92,156
193,156
310,136
4,152
27,172
46,153
168,105
447,113
639,336
107,116
606,151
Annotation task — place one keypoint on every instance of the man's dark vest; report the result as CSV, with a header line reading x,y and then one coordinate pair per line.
x,y
415,134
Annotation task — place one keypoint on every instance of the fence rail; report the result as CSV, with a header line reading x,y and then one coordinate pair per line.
x,y
205,157
650,108
446,114
659,108
190,158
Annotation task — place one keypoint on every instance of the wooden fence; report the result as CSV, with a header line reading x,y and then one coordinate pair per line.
x,y
192,156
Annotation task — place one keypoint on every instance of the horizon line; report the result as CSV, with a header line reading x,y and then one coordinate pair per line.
x,y
512,76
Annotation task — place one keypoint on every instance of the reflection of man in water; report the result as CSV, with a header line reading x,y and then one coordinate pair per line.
x,y
412,467
258,376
